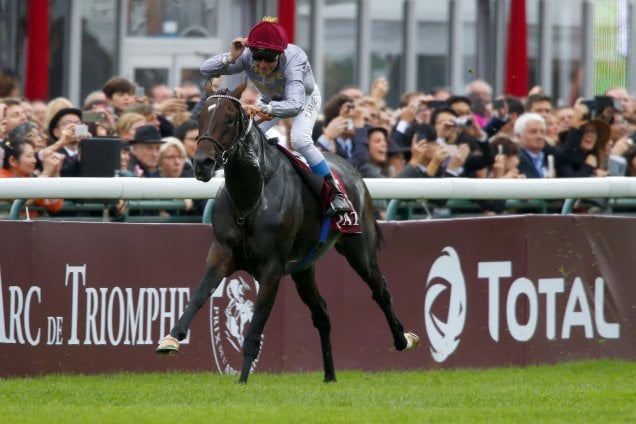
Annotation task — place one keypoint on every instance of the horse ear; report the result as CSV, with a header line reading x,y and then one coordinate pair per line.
x,y
209,87
239,89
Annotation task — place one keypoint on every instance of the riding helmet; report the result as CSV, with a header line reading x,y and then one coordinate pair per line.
x,y
268,34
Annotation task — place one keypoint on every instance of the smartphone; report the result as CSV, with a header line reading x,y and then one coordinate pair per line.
x,y
451,149
90,117
140,91
436,104
500,149
81,130
191,104
498,104
238,45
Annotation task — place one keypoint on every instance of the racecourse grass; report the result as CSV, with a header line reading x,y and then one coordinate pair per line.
x,y
582,392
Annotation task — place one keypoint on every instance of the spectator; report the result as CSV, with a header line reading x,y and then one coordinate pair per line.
x,y
344,132
30,131
172,157
505,112
65,129
539,103
379,91
506,157
120,93
622,96
480,94
145,152
159,93
14,115
630,158
188,133
9,83
376,166
565,118
427,156
20,162
535,153
39,110
552,129
584,150
414,109
352,91
466,143
54,106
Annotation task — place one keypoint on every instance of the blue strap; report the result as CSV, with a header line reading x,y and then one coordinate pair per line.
x,y
324,232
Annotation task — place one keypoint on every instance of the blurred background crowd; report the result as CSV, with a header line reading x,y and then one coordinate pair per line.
x,y
437,134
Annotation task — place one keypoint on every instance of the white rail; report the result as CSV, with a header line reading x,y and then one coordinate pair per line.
x,y
380,188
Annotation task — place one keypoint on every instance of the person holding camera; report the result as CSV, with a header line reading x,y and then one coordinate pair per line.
x,y
67,130
344,132
467,144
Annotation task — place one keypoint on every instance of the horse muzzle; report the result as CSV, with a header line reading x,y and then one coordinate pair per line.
x,y
204,168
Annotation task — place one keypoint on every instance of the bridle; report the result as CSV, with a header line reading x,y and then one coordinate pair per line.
x,y
225,152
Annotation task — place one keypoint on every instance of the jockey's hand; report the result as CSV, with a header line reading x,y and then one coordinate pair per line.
x,y
257,110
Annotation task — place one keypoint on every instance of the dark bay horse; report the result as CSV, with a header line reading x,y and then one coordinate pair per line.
x,y
265,221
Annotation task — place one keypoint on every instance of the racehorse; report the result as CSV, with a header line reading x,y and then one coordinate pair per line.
x,y
265,221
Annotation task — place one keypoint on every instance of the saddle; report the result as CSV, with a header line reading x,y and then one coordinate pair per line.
x,y
346,222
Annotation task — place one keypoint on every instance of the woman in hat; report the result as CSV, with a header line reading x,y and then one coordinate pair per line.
x,y
281,73
584,150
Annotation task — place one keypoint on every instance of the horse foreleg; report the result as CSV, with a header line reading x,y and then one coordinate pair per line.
x,y
252,343
308,291
217,268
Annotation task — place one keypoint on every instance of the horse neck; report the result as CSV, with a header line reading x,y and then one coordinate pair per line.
x,y
244,172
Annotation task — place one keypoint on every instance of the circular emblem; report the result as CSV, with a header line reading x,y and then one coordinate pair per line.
x,y
443,333
231,311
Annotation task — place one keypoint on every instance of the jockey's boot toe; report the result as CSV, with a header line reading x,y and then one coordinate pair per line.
x,y
338,204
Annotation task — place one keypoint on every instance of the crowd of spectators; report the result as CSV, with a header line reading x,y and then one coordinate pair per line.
x,y
427,135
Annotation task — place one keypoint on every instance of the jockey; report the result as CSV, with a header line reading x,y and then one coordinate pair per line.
x,y
281,73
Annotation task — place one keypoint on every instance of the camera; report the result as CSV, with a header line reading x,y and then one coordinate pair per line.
x,y
598,104
498,104
350,126
81,130
90,117
462,122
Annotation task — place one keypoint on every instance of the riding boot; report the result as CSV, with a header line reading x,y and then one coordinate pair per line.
x,y
339,202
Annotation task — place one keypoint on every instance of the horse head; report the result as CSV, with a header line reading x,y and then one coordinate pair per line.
x,y
222,123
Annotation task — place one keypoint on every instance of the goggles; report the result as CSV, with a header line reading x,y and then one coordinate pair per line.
x,y
269,57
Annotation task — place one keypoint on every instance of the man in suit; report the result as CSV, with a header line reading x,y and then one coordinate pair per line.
x,y
535,153
64,130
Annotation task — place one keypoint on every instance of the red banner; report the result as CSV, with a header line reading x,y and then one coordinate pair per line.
x,y
97,297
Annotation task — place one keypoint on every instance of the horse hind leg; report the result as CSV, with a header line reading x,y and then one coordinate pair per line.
x,y
308,291
360,251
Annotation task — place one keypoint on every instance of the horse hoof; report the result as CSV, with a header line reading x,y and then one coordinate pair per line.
x,y
412,340
168,346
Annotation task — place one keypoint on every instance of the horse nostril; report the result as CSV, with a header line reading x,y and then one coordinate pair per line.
x,y
209,162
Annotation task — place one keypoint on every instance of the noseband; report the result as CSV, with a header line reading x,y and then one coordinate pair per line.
x,y
237,128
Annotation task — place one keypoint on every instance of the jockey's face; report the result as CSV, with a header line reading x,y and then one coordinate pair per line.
x,y
266,61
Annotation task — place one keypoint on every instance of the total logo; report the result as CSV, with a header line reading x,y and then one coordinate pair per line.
x,y
231,312
446,304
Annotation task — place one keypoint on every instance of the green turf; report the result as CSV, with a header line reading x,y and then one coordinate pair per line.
x,y
583,392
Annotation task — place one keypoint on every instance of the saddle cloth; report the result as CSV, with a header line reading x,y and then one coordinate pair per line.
x,y
345,222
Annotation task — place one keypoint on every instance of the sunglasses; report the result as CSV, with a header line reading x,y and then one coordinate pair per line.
x,y
265,57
